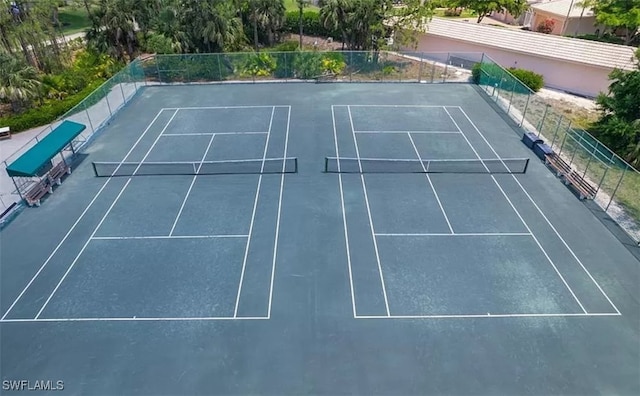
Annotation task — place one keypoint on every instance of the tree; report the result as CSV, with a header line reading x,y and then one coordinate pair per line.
x,y
617,14
19,83
366,24
619,125
113,30
485,7
301,5
213,25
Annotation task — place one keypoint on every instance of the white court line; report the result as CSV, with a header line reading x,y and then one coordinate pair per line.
x,y
344,215
364,105
73,226
435,193
193,181
136,319
277,233
546,255
222,107
253,216
420,132
463,234
573,254
490,315
119,238
213,133
373,232
122,190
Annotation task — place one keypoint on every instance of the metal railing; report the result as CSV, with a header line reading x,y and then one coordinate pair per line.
x,y
617,182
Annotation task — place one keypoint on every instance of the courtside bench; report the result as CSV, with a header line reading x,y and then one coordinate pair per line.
x,y
5,133
56,173
37,191
570,177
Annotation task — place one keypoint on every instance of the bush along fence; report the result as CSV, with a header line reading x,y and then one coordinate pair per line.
x,y
94,111
616,182
344,66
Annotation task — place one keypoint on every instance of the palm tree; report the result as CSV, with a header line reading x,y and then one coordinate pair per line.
x,y
333,16
301,5
214,24
113,30
269,15
19,82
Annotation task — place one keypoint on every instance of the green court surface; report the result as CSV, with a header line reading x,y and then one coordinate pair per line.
x,y
275,254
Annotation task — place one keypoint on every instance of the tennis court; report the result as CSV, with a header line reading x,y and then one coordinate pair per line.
x,y
316,239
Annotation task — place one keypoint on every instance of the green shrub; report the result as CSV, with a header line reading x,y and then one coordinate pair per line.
x,y
158,44
310,24
287,46
532,80
476,71
453,12
49,112
307,64
259,65
605,38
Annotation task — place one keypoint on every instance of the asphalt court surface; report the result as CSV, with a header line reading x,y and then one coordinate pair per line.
x,y
316,283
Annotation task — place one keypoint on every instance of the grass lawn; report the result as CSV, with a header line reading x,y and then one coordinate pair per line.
x,y
73,19
292,5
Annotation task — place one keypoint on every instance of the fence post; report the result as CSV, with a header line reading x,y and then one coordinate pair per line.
x,y
124,99
524,113
89,118
561,144
544,118
446,68
106,97
158,70
513,90
602,180
615,190
421,66
433,71
555,134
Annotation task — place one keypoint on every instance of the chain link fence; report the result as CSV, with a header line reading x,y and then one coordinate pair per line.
x,y
617,182
94,111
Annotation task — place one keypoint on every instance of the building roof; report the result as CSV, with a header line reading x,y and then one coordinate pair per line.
x,y
593,53
562,8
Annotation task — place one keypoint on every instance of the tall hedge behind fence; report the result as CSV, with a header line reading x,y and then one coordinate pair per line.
x,y
617,182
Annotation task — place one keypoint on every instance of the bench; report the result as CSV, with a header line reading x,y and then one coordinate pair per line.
x,y
578,183
559,166
5,133
56,173
35,193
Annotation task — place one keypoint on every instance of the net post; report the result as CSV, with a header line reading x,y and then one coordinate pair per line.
x,y
95,171
295,165
526,165
326,164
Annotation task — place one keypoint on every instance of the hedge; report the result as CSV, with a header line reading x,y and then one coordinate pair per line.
x,y
490,73
531,79
48,112
310,24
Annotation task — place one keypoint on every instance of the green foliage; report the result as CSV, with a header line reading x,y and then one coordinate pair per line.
x,y
19,83
158,44
618,14
531,79
261,64
453,12
287,46
476,72
605,38
619,126
310,23
307,65
47,113
484,8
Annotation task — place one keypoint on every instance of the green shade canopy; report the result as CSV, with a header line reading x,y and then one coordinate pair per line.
x,y
28,163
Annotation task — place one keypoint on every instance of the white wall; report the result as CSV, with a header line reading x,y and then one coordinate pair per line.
x,y
571,77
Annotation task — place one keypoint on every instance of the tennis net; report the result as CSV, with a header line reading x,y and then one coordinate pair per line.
x,y
250,166
387,165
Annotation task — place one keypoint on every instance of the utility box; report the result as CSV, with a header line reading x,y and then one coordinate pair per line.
x,y
542,150
530,140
